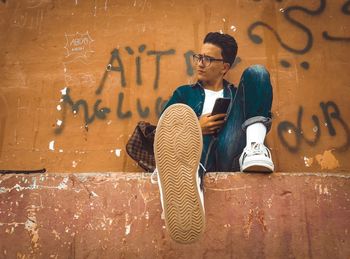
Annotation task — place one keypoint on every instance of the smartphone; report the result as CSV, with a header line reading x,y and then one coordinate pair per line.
x,y
221,105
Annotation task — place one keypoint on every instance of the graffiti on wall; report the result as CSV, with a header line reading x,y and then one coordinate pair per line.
x,y
288,15
79,44
330,110
116,65
331,115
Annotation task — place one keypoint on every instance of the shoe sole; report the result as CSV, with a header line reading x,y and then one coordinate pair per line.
x,y
257,167
177,149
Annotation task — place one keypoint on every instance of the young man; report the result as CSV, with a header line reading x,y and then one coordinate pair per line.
x,y
188,138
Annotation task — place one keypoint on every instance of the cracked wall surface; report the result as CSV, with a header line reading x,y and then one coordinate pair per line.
x,y
118,215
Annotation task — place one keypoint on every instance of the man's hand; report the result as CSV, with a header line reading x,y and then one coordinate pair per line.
x,y
210,124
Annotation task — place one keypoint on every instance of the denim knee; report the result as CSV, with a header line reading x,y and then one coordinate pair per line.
x,y
257,96
255,71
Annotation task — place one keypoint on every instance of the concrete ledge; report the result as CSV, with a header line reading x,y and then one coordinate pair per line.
x,y
117,215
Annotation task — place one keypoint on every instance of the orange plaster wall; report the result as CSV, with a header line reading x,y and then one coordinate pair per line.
x,y
50,47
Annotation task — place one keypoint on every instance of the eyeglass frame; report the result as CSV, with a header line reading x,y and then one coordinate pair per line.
x,y
200,58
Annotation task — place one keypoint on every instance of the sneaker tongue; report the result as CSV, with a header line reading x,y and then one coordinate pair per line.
x,y
256,146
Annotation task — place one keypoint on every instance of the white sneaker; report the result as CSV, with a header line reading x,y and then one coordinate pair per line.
x,y
256,158
177,149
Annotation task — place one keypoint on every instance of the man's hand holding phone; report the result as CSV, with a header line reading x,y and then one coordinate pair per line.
x,y
211,123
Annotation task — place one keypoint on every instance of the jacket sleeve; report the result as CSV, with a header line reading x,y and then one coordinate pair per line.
x,y
175,98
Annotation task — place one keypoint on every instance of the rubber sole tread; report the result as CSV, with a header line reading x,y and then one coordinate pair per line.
x,y
178,147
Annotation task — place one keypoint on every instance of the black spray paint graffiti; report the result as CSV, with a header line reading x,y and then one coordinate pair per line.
x,y
309,41
115,64
143,112
188,59
116,58
346,8
331,113
346,11
99,113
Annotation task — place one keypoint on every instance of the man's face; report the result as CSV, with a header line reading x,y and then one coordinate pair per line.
x,y
216,69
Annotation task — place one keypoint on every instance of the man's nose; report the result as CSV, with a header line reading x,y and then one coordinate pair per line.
x,y
201,62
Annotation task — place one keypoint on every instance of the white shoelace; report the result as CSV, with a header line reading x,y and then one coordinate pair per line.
x,y
255,149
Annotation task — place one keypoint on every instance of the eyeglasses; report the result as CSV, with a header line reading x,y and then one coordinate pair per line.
x,y
206,61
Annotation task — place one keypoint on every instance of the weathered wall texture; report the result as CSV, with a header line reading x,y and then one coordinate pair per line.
x,y
63,107
286,215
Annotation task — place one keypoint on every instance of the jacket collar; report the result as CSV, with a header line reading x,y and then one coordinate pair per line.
x,y
226,84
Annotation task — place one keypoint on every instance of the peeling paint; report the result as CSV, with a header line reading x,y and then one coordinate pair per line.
x,y
269,201
74,164
93,194
127,229
52,145
63,184
327,160
57,235
308,161
248,224
32,227
127,225
117,152
64,91
322,189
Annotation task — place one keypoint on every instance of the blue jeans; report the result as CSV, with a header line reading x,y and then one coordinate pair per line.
x,y
251,103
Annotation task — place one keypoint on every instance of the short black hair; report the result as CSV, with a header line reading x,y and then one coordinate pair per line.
x,y
226,43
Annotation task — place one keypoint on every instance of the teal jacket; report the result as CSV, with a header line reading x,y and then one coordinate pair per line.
x,y
193,95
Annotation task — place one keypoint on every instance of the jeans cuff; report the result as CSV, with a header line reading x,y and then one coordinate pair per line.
x,y
264,120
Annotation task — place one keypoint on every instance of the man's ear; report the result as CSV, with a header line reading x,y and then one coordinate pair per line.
x,y
226,68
